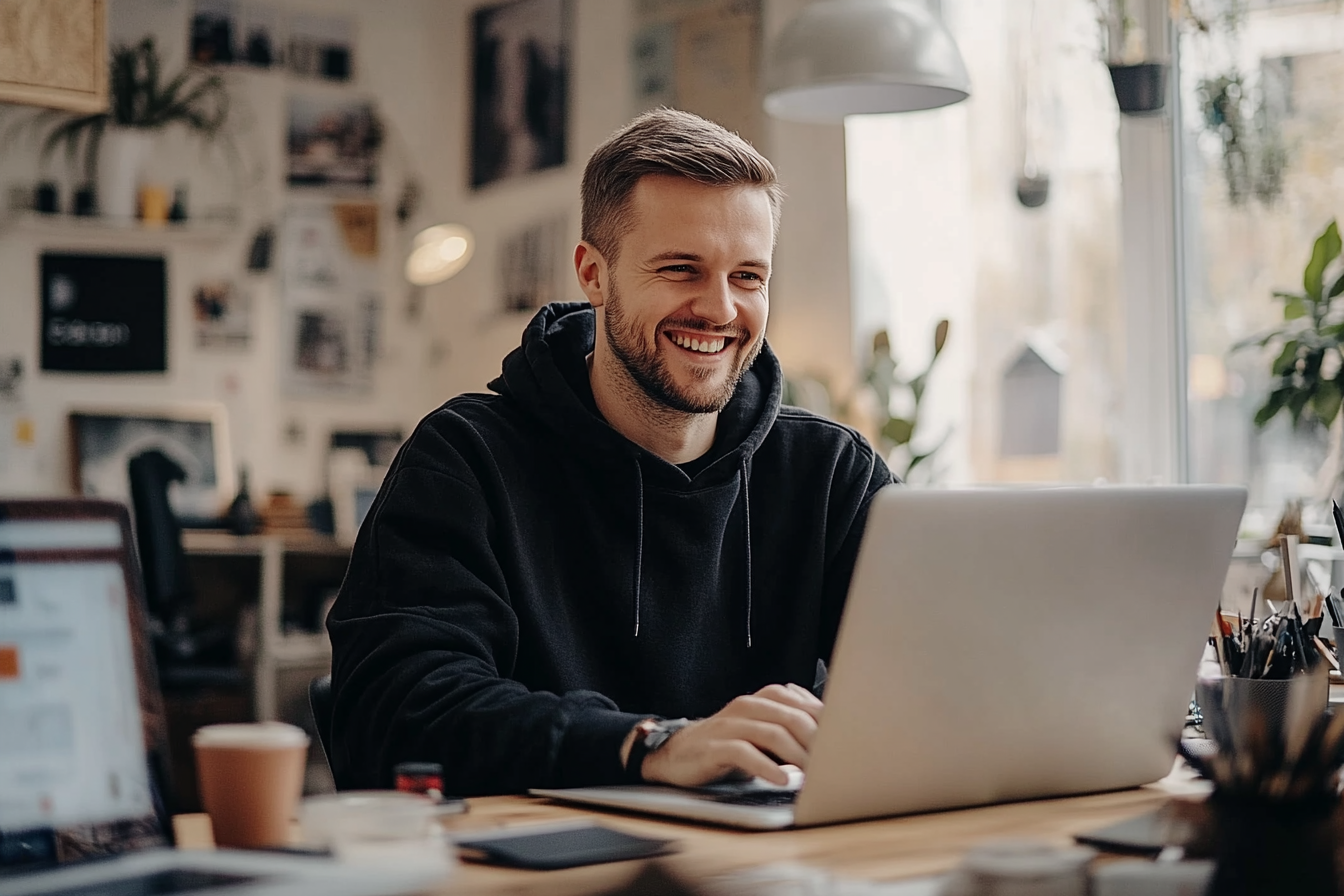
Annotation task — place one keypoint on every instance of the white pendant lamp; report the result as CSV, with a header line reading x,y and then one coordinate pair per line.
x,y
438,253
857,57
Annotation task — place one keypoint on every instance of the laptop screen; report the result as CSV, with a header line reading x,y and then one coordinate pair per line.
x,y
79,709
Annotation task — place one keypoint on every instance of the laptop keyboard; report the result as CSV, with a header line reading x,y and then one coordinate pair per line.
x,y
757,798
163,883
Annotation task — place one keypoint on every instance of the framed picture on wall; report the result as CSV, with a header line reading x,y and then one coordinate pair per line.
x,y
104,313
519,88
194,435
533,267
332,141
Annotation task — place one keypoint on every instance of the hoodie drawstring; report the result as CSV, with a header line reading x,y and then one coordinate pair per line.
x,y
746,515
639,536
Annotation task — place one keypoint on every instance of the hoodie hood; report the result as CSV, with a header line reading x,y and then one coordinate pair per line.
x,y
548,375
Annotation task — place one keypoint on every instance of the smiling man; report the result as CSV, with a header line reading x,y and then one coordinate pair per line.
x,y
628,563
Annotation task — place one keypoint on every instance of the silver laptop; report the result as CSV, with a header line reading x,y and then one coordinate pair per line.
x,y
998,645
81,719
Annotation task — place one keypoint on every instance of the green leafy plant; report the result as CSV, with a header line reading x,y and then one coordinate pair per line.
x,y
900,430
1309,344
140,96
1253,149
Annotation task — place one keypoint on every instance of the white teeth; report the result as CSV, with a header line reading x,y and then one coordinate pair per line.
x,y
707,346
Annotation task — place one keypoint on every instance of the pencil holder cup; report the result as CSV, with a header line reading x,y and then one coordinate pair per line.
x,y
1232,706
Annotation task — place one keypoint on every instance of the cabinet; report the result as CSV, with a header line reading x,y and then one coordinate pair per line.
x,y
288,579
54,53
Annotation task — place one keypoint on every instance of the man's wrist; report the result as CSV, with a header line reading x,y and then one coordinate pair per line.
x,y
647,737
641,729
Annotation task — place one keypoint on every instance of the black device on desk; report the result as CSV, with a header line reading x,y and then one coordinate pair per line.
x,y
83,719
548,847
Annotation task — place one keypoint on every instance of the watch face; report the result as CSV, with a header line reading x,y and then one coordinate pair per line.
x,y
661,732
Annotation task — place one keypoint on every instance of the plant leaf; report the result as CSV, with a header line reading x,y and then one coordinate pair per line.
x,y
1297,403
1325,402
940,336
1294,307
1337,288
1287,359
899,430
1273,404
1326,250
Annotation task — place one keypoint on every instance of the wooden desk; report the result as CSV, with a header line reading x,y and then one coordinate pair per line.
x,y
887,849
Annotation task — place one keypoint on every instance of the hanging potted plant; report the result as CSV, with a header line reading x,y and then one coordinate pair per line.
x,y
1140,83
115,145
1307,372
1236,110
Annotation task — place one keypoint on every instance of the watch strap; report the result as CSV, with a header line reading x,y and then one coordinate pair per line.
x,y
650,736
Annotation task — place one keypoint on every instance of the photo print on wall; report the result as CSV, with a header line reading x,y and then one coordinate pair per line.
x,y
332,141
331,300
520,88
222,314
533,265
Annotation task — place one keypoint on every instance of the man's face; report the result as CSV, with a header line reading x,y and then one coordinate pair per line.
x,y
686,303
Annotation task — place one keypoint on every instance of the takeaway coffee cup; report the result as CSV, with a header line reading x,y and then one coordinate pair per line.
x,y
250,776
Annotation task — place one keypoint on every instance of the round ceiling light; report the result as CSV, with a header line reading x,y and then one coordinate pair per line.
x,y
438,253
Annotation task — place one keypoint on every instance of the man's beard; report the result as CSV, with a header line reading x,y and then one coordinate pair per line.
x,y
649,369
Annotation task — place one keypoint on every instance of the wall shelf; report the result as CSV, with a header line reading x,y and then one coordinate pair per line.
x,y
79,228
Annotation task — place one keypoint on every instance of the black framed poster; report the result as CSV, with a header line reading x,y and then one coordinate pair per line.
x,y
104,313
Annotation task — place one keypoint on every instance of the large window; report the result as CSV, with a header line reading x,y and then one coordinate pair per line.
x,y
1262,151
1000,214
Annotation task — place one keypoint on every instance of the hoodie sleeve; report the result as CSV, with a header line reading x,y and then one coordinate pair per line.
x,y
424,639
859,474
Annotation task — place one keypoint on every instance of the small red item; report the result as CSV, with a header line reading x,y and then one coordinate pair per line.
x,y
418,777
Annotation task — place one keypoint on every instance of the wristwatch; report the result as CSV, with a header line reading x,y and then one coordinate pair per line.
x,y
650,735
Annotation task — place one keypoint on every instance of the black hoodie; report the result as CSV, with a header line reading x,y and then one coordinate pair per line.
x,y
529,583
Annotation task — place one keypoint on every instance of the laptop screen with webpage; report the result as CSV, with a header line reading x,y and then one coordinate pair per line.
x,y
80,712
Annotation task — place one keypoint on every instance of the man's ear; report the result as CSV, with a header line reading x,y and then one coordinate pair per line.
x,y
592,271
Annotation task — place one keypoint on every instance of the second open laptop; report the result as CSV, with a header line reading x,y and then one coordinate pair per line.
x,y
81,719
998,645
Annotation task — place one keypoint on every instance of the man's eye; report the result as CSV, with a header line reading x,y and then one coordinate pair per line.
x,y
678,269
749,275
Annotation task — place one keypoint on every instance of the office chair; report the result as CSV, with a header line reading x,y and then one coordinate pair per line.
x,y
186,654
320,702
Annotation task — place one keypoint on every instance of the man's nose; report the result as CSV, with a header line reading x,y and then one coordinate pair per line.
x,y
715,302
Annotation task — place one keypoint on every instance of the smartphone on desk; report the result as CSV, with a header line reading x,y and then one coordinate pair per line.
x,y
553,846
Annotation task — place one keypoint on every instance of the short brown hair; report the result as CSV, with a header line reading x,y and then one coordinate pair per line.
x,y
670,142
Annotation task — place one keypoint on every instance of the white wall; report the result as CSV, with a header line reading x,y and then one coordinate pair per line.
x,y
412,58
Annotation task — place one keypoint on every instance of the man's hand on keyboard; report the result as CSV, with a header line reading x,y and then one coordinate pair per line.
x,y
753,735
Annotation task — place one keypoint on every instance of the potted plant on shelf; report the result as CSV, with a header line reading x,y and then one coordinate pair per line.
x,y
1308,351
142,101
1140,82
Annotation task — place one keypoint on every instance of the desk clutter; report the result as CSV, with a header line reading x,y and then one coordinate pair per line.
x,y
1273,822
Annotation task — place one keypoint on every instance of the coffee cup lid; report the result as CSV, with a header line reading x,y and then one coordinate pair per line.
x,y
251,735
